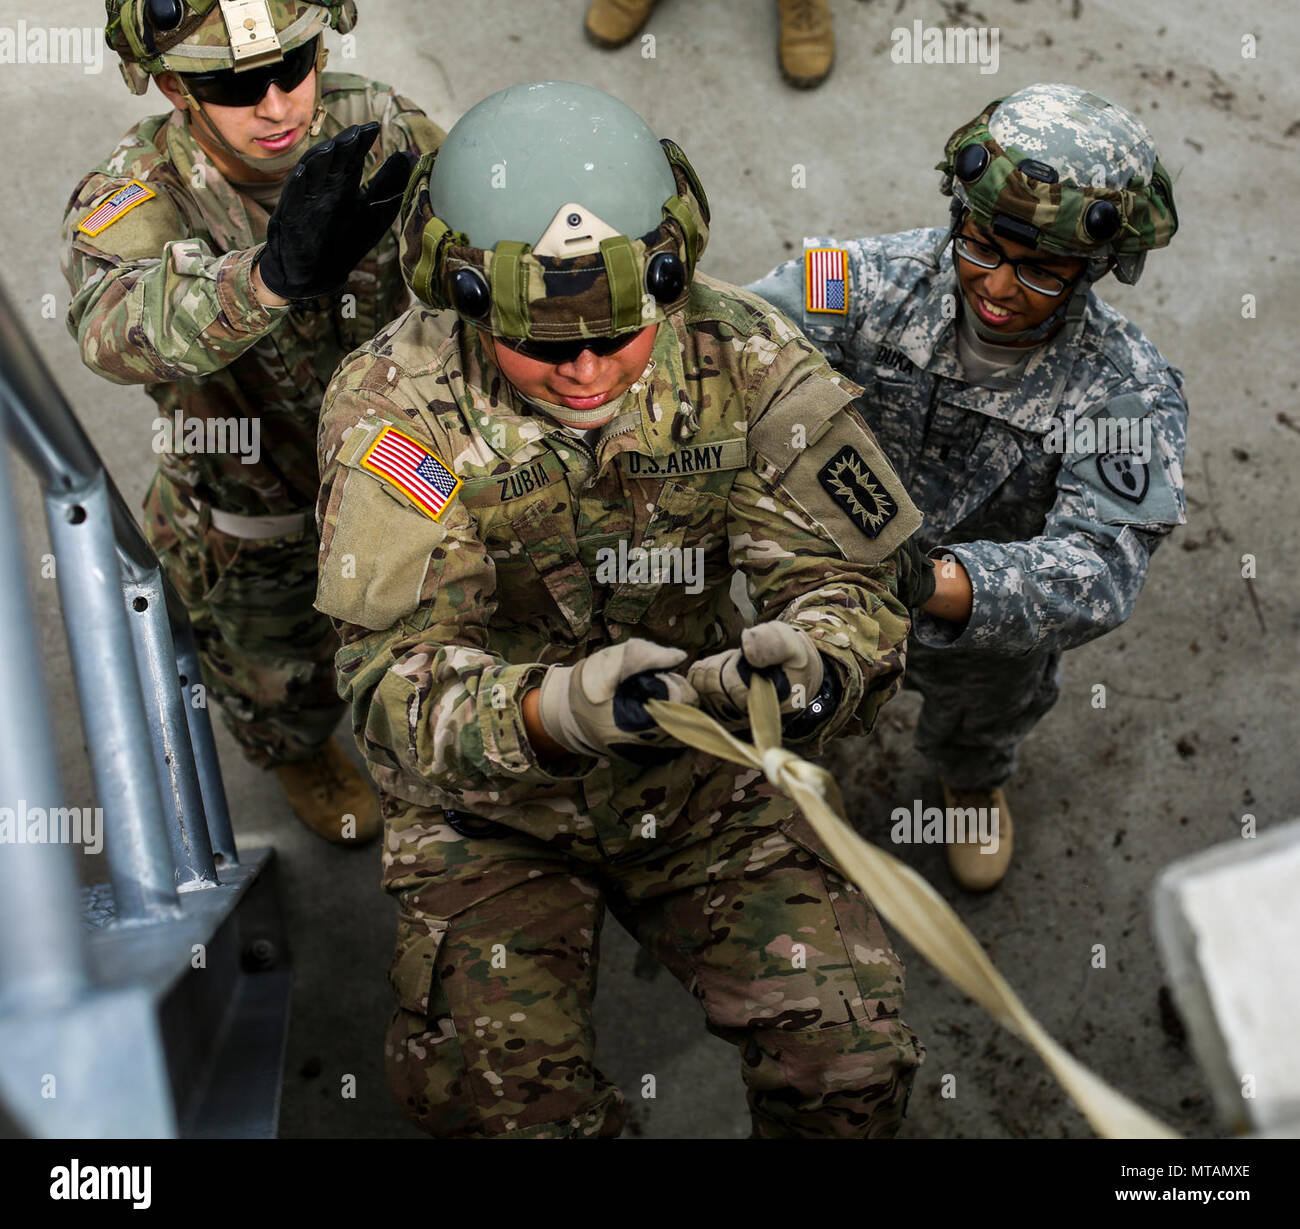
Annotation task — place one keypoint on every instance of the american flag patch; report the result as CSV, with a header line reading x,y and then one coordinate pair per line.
x,y
826,280
121,202
413,470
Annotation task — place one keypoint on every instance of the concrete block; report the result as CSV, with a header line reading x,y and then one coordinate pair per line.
x,y
1228,925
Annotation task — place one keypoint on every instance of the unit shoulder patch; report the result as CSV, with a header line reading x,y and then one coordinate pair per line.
x,y
409,466
826,280
1127,475
845,484
115,207
848,479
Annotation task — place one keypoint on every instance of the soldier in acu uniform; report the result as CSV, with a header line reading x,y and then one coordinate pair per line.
x,y
510,523
1040,432
192,276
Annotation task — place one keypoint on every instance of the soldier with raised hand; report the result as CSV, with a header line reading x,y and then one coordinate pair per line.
x,y
531,528
1038,430
216,265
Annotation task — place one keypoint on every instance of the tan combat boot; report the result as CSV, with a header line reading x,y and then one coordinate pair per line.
x,y
331,797
971,867
611,23
807,44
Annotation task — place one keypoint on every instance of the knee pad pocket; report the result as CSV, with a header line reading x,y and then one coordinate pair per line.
x,y
426,1065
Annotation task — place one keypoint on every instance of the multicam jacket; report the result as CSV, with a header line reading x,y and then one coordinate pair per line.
x,y
737,441
162,297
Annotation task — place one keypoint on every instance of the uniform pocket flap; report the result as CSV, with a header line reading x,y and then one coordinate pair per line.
x,y
414,968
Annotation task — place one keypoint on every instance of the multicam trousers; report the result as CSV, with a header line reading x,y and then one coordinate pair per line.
x,y
266,653
496,963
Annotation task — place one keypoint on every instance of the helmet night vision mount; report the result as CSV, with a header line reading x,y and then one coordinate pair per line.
x,y
552,213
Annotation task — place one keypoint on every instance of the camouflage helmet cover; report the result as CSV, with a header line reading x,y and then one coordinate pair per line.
x,y
1080,172
200,43
571,144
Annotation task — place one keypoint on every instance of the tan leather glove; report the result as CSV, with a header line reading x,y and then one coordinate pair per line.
x,y
783,653
597,707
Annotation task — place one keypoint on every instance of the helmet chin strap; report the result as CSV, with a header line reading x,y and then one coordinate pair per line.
x,y
285,161
582,420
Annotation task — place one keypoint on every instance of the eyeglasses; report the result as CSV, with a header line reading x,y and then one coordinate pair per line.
x,y
228,88
556,352
990,256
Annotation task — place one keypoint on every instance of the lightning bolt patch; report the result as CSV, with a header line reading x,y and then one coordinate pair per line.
x,y
848,480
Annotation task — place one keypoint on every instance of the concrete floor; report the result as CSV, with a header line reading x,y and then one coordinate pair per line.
x,y
1200,727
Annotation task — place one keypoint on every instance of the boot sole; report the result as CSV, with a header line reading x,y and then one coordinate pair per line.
x,y
806,83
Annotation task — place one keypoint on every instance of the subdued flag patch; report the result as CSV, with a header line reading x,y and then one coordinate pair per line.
x,y
826,280
413,470
120,203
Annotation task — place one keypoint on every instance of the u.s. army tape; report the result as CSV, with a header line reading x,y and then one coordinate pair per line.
x,y
904,899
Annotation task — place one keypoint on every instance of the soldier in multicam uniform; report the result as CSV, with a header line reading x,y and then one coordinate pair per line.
x,y
1038,430
601,401
186,279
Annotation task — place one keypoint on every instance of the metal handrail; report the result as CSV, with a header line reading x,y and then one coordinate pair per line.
x,y
159,1041
162,795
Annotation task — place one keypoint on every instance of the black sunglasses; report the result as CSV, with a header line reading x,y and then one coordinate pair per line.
x,y
228,88
566,351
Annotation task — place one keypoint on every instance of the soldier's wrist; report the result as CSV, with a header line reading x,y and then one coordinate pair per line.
x,y
542,743
953,596
267,298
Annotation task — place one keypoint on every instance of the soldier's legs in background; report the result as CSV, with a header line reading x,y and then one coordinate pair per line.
x,y
977,709
788,960
266,653
494,975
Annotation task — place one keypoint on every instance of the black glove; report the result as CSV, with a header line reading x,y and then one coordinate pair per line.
x,y
326,222
915,575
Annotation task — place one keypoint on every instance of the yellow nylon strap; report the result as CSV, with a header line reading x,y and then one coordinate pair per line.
x,y
904,899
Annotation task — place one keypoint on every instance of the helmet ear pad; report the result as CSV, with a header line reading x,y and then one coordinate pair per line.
x,y
470,295
1101,220
971,162
665,277
164,15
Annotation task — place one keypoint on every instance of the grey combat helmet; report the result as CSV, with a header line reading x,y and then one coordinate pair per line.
x,y
551,212
1062,169
514,161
